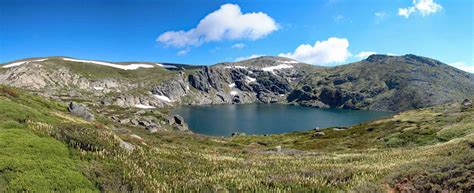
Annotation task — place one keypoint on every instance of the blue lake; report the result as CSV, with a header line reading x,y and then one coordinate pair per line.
x,y
223,120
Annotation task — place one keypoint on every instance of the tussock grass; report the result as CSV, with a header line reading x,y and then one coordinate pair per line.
x,y
420,150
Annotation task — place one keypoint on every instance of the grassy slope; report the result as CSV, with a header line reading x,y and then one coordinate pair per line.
x,y
422,149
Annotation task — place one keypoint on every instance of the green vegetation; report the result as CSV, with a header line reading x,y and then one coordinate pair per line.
x,y
43,148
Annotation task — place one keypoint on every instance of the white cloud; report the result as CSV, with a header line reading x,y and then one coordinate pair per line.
x,y
338,17
228,22
364,54
406,12
463,66
380,14
425,7
238,46
332,50
184,51
247,57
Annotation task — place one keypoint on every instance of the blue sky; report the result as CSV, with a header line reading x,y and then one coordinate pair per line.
x,y
130,30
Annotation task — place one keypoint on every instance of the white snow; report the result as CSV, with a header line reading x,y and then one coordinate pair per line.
x,y
142,106
22,62
290,62
242,67
187,87
165,66
233,93
123,67
163,98
98,88
232,85
278,67
250,79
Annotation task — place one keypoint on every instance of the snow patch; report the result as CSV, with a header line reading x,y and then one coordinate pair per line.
x,y
233,93
123,67
289,62
250,79
232,85
239,67
22,62
163,98
165,66
278,67
142,106
98,88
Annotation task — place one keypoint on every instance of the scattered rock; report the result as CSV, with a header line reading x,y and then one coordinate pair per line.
x,y
124,121
467,103
278,148
235,134
338,129
127,146
152,129
178,122
80,111
318,134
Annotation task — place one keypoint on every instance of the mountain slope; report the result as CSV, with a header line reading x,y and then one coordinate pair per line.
x,y
392,83
385,83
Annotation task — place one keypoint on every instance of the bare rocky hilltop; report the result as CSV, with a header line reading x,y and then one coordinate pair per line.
x,y
380,82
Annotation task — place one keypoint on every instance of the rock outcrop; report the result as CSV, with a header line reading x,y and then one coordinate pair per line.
x,y
80,111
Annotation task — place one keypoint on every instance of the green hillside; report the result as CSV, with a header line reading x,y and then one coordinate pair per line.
x,y
43,148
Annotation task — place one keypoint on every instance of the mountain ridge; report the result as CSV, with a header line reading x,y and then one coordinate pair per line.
x,y
380,82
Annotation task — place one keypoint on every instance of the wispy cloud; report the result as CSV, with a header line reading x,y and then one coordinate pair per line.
x,y
364,54
463,66
247,57
226,23
183,51
424,7
238,46
338,17
332,50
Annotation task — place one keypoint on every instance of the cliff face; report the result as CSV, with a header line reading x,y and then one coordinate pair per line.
x,y
386,83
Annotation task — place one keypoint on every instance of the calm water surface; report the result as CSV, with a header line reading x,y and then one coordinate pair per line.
x,y
223,120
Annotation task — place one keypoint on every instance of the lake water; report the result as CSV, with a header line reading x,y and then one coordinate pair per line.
x,y
223,120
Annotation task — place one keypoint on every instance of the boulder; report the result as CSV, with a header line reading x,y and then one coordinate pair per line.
x,y
127,146
235,134
318,134
80,111
178,122
124,121
278,148
467,103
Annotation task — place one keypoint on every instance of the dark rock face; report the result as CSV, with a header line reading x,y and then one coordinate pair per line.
x,y
80,111
199,81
